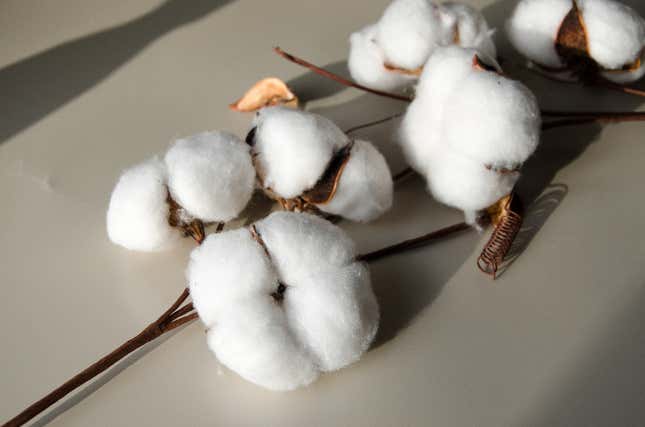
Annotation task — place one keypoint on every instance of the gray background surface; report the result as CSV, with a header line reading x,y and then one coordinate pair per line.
x,y
89,87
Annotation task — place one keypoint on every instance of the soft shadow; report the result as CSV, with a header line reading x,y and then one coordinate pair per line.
x,y
36,86
534,219
72,400
311,86
605,386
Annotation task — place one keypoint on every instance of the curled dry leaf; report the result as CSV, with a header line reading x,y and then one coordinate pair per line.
x,y
267,92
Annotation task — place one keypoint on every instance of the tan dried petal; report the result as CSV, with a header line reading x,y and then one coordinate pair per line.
x,y
404,71
266,92
326,187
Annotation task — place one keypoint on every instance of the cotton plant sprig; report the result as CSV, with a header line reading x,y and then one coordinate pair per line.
x,y
596,42
285,267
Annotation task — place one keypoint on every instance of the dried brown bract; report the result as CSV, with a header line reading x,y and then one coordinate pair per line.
x,y
265,93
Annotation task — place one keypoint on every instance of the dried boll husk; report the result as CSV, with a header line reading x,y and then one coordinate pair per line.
x,y
390,54
469,129
306,162
283,300
266,92
581,39
211,175
137,217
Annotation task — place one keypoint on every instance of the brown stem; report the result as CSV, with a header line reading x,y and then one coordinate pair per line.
x,y
336,77
595,114
608,118
412,243
175,317
402,175
620,88
149,333
374,123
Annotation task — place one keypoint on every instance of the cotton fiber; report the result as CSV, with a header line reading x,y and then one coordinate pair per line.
x,y
294,150
469,129
365,189
615,35
283,301
389,54
137,217
211,175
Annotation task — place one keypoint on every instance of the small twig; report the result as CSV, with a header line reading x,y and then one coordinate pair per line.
x,y
413,243
609,118
404,174
342,80
620,88
374,123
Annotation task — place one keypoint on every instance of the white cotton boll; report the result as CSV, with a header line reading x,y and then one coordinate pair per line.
x,y
211,175
293,148
492,119
326,319
137,217
329,298
408,31
365,189
422,126
472,28
366,63
533,28
463,183
615,32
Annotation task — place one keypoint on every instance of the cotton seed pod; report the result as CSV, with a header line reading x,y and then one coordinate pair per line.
x,y
283,300
469,129
305,161
137,217
211,175
390,54
581,39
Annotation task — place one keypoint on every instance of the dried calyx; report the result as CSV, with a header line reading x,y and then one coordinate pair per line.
x,y
265,93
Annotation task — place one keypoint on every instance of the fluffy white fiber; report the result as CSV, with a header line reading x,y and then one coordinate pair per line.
x,y
464,121
211,175
365,189
406,36
366,59
293,148
328,315
615,33
137,217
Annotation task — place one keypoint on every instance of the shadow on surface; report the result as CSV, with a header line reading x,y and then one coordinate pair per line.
x,y
86,391
36,86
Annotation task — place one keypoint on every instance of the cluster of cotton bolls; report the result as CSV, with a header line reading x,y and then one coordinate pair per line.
x,y
306,159
389,54
606,35
208,177
284,299
469,130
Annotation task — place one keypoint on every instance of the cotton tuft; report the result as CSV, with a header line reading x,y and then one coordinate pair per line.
x,y
407,34
469,130
327,316
615,34
137,217
211,175
293,150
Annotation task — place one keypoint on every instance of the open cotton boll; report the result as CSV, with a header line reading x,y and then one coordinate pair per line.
x,y
366,63
613,33
293,148
468,28
365,188
211,175
423,122
137,217
281,317
533,28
